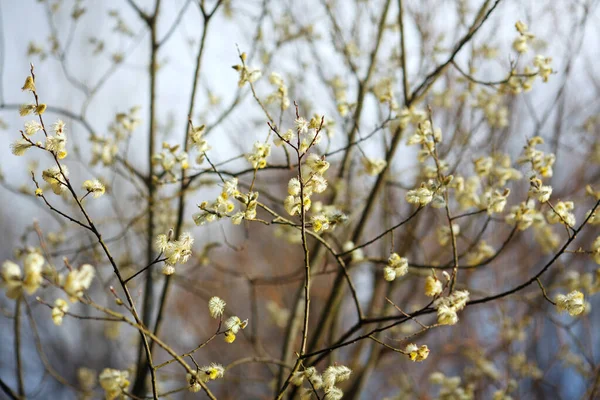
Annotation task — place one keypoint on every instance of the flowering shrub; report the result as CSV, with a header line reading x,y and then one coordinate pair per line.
x,y
365,188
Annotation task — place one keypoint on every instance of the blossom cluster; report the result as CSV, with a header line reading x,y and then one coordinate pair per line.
x,y
281,94
247,75
171,156
326,217
223,206
29,280
114,382
396,267
175,251
105,148
573,303
417,353
313,181
448,307
326,381
204,374
233,324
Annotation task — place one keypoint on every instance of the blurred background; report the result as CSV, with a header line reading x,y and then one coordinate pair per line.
x,y
92,62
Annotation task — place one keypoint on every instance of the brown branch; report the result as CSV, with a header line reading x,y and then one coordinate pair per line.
x,y
17,348
405,87
430,79
8,391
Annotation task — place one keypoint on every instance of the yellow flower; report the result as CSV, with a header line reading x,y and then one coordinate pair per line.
x,y
420,196
522,27
95,187
319,223
446,315
55,176
11,279
39,110
29,84
234,324
397,266
250,75
520,43
543,65
229,336
334,374
216,307
483,166
211,372
433,286
317,164
383,90
495,201
20,146
59,310
417,354
447,307
175,251
32,267
373,167
193,382
31,127
26,109
573,303
113,382
78,280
